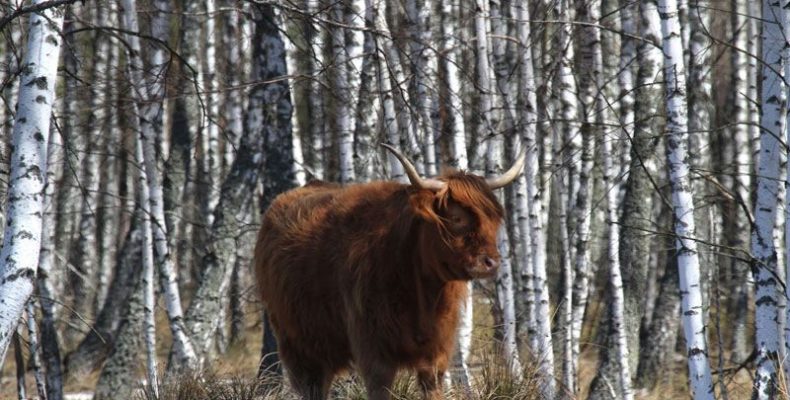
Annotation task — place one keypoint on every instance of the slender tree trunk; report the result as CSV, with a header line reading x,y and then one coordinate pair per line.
x,y
212,161
683,203
504,279
738,233
422,85
451,52
85,254
762,245
19,361
699,109
35,359
662,332
149,97
539,324
118,376
22,236
50,349
390,121
147,282
268,128
342,90
315,36
616,280
366,106
528,132
783,299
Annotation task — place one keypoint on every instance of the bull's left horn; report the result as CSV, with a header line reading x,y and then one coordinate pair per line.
x,y
411,172
511,174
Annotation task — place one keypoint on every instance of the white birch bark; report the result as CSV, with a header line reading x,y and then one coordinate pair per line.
x,y
149,97
591,71
35,358
543,350
265,147
401,97
22,235
530,201
754,45
384,80
786,59
212,163
341,85
423,66
504,279
109,199
44,279
568,101
762,245
682,199
367,107
582,212
355,20
232,97
742,182
568,360
625,80
316,101
149,300
450,48
86,252
615,277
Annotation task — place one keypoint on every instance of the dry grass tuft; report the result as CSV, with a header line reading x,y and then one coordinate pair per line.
x,y
206,386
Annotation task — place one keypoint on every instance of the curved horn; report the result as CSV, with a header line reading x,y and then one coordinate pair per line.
x,y
411,172
511,174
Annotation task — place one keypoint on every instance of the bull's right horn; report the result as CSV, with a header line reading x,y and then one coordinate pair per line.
x,y
411,172
511,174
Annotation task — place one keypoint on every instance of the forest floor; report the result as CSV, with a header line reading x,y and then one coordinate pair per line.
x,y
232,375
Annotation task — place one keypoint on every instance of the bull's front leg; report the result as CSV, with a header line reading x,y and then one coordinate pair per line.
x,y
430,380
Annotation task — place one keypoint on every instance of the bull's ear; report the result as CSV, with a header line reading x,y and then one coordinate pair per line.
x,y
422,203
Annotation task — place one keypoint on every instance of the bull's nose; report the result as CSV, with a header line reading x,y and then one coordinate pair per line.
x,y
489,262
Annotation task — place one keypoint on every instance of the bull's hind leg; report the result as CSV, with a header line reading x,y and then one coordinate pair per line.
x,y
309,378
310,383
378,380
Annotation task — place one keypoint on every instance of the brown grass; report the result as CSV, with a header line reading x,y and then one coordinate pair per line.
x,y
232,375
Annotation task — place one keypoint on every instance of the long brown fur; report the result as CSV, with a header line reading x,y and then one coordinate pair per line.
x,y
371,274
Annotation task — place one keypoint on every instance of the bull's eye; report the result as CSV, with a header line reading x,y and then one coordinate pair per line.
x,y
458,219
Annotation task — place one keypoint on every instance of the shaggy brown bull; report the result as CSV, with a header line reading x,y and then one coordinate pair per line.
x,y
373,274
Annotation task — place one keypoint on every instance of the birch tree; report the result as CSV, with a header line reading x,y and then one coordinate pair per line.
x,y
342,92
682,199
786,58
638,189
147,282
590,93
22,234
762,244
268,127
504,279
615,277
211,161
384,80
738,236
50,350
149,97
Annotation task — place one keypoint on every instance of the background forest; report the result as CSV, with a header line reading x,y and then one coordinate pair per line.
x,y
644,254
